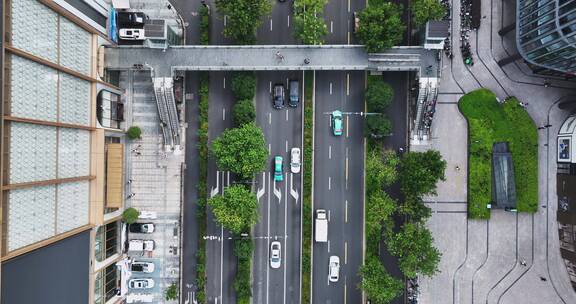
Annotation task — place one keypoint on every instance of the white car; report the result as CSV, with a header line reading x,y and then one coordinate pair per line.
x,y
146,267
275,256
141,245
147,215
141,283
295,160
334,268
131,34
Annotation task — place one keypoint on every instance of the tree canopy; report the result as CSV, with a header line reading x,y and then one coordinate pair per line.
x,y
236,210
380,169
241,150
379,95
309,25
380,27
413,246
243,112
244,85
379,285
244,17
426,10
377,126
420,171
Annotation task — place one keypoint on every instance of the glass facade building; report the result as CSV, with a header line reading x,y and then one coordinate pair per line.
x,y
546,34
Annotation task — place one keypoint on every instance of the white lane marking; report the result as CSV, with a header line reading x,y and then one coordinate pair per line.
x,y
347,84
346,212
270,24
288,20
345,252
293,192
346,168
328,245
345,289
269,149
286,146
347,124
329,183
221,260
330,88
270,118
286,114
348,5
223,113
270,89
329,152
268,242
224,82
225,19
262,190
228,178
214,191
277,193
285,233
348,37
331,26
329,215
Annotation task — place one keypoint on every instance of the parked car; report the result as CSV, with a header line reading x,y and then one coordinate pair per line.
x,y
294,93
141,228
131,34
337,123
141,283
334,269
141,245
147,215
278,170
131,19
147,267
275,255
278,96
295,160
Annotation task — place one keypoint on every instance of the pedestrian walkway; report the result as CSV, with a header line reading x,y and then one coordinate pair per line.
x,y
154,177
272,58
501,260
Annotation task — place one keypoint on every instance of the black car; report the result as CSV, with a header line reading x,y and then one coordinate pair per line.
x,y
294,93
141,228
278,96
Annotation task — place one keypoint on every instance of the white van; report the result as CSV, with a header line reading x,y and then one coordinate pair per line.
x,y
131,34
141,245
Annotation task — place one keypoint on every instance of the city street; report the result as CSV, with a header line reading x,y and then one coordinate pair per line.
x,y
338,185
280,204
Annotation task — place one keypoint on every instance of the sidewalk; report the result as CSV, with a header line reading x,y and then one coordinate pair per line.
x,y
484,266
156,178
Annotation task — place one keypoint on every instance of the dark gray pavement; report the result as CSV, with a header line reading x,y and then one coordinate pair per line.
x,y
280,204
338,185
188,10
189,224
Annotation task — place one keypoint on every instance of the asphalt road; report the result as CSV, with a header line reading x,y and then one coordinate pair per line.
x,y
280,202
338,185
220,259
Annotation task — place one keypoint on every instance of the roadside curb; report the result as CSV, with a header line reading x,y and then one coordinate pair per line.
x,y
312,186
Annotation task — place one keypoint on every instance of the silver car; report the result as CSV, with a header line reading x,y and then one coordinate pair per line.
x,y
141,283
275,255
295,160
334,269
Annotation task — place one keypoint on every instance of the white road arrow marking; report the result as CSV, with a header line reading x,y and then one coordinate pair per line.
x,y
261,191
277,193
293,192
214,191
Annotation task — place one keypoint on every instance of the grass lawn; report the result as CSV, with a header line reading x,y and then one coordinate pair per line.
x,y
490,122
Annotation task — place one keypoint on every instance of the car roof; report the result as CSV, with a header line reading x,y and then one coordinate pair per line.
x,y
337,113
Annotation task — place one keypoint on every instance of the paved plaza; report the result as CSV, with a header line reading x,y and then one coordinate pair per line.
x,y
483,260
155,180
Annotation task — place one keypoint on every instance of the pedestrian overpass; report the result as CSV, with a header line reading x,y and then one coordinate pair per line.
x,y
167,62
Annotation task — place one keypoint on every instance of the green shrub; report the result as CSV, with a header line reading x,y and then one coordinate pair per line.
x,y
130,215
171,292
134,132
204,25
377,126
243,112
244,85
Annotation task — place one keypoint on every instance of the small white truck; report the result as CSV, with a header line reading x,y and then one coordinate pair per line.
x,y
321,226
141,245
